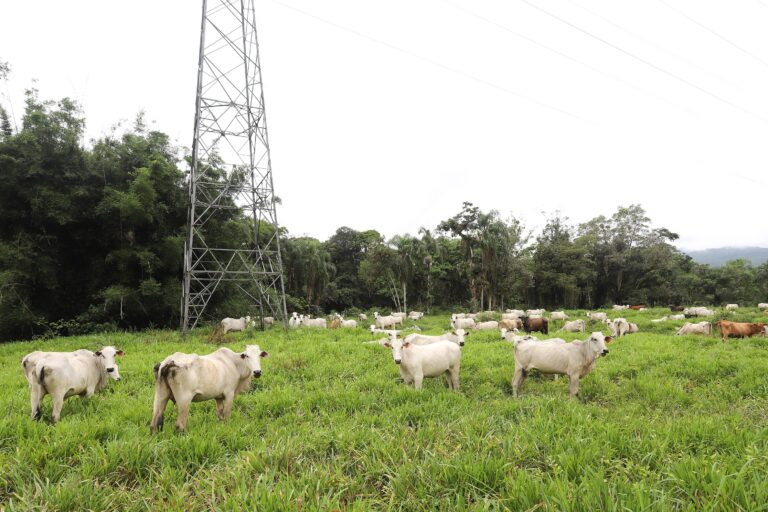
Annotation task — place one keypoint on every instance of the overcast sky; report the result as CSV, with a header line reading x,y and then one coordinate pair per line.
x,y
389,114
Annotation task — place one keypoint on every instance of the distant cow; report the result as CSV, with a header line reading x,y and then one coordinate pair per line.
x,y
432,360
490,325
558,315
739,329
530,312
415,315
676,308
65,374
187,378
763,305
618,326
677,317
235,324
698,311
638,307
597,316
535,324
575,359
731,307
511,323
619,307
517,313
574,326
463,323
704,328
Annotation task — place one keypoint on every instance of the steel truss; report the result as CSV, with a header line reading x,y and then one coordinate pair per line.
x,y
231,169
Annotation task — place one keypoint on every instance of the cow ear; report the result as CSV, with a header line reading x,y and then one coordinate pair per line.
x,y
97,353
120,352
243,356
387,344
264,354
466,334
406,344
608,339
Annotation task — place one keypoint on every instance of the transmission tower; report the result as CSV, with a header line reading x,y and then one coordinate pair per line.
x,y
231,170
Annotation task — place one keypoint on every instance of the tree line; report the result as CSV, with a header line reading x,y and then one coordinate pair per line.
x,y
91,239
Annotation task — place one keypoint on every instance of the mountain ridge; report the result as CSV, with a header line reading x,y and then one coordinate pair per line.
x,y
718,256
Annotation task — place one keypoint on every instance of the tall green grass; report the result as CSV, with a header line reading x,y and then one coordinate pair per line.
x,y
663,423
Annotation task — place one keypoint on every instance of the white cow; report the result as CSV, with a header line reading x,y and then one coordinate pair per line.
x,y
186,378
415,315
487,326
362,317
463,323
574,326
269,320
731,307
454,316
514,338
662,319
516,312
699,328
458,337
399,314
317,323
294,321
433,360
619,307
677,317
599,315
575,359
763,305
633,328
698,311
235,324
618,326
65,374
531,312
384,321
558,315
511,323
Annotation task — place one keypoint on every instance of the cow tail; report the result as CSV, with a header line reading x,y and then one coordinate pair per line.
x,y
40,374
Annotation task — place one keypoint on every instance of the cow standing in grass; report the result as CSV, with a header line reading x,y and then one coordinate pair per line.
x,y
739,329
186,378
65,374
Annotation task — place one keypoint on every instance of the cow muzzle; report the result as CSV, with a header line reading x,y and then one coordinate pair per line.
x,y
605,352
257,373
397,361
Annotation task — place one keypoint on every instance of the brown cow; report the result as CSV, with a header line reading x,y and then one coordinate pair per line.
x,y
535,324
638,307
739,329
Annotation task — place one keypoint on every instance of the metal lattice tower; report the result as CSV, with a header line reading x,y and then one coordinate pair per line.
x,y
231,169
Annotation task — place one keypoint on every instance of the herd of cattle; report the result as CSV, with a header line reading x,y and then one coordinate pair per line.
x,y
223,374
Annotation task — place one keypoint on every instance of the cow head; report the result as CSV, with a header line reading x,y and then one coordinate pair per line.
x,y
252,356
597,342
397,347
108,354
461,334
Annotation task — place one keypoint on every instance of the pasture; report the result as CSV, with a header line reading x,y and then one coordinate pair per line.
x,y
663,423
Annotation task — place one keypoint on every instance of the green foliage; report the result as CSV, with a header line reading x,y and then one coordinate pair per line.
x,y
662,423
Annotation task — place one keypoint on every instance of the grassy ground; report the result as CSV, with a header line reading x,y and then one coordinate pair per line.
x,y
664,423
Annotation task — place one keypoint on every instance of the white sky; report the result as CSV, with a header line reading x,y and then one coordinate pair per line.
x,y
389,114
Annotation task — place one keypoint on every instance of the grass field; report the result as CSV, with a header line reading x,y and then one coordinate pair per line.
x,y
663,423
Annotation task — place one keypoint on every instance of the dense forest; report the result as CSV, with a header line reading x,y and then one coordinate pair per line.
x,y
91,239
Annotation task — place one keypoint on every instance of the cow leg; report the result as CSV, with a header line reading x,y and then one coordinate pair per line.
x,y
58,401
573,384
35,397
182,406
162,395
417,379
220,408
228,404
517,379
453,375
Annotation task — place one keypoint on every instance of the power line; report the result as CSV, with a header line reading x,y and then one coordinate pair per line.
x,y
558,52
646,41
650,64
432,62
744,50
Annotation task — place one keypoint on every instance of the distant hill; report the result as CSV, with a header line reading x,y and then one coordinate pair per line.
x,y
717,257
